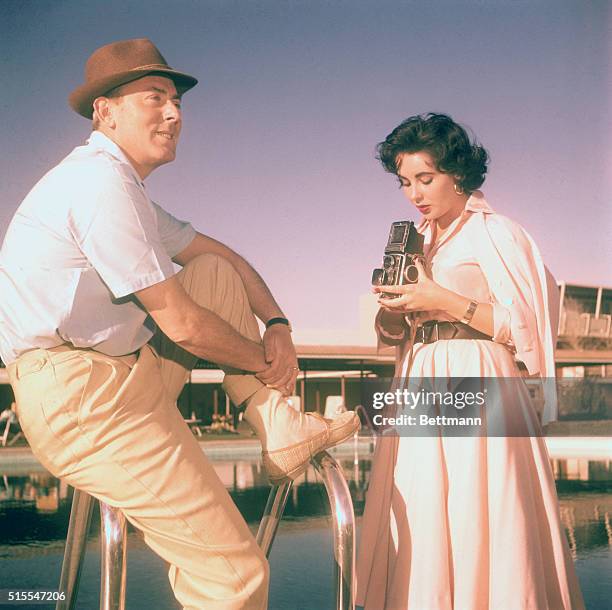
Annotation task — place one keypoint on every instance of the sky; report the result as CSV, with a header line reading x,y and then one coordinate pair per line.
x,y
277,153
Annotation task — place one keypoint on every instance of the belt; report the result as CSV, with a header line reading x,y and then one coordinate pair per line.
x,y
434,330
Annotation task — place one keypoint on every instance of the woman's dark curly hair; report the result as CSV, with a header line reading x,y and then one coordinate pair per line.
x,y
447,142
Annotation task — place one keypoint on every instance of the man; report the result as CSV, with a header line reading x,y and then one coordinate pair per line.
x,y
99,336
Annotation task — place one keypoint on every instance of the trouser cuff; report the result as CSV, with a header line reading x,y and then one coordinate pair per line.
x,y
240,386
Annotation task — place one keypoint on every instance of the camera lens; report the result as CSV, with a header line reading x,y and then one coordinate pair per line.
x,y
378,277
411,273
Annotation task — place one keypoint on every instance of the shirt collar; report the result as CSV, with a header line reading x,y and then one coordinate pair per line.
x,y
101,141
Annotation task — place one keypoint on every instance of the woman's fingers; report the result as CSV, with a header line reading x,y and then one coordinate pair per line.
x,y
406,299
394,304
403,289
421,268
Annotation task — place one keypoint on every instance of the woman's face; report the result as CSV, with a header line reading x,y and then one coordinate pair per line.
x,y
431,191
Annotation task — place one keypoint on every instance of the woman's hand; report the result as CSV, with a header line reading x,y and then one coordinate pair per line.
x,y
425,295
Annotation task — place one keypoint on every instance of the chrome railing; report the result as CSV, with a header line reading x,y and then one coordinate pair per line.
x,y
343,518
273,513
113,546
113,550
74,553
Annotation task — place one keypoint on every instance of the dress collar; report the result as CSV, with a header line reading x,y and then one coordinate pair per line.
x,y
475,203
101,141
478,203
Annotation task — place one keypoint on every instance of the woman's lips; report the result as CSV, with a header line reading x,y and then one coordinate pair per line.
x,y
424,208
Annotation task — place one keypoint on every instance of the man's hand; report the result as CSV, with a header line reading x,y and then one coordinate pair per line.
x,y
199,330
279,353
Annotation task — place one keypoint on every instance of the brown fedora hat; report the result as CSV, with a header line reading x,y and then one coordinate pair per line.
x,y
119,63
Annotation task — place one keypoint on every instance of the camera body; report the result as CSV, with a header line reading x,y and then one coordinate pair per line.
x,y
404,247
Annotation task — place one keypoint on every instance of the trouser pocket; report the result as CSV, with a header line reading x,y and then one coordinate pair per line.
x,y
47,408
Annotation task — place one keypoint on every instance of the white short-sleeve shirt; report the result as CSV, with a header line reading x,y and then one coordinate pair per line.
x,y
83,240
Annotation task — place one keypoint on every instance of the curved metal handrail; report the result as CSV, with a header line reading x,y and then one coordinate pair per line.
x,y
273,512
343,518
113,549
80,517
113,546
113,556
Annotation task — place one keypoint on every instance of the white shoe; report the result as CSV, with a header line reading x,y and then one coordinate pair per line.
x,y
290,439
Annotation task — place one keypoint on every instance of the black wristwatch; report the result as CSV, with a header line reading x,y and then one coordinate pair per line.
x,y
273,321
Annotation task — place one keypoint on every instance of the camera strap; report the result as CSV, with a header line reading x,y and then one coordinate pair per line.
x,y
413,332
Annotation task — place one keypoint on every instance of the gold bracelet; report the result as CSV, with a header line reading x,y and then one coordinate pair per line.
x,y
469,314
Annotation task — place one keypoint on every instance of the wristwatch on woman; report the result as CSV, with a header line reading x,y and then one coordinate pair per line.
x,y
469,314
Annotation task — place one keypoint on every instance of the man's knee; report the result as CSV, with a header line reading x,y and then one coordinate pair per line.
x,y
213,282
207,275
210,264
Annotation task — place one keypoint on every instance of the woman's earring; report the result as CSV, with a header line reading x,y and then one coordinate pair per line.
x,y
458,189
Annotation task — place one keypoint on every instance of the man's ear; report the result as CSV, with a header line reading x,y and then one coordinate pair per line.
x,y
103,112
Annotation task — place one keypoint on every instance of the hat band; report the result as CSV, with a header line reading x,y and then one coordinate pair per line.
x,y
151,66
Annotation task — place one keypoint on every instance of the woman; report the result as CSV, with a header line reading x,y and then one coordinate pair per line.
x,y
465,523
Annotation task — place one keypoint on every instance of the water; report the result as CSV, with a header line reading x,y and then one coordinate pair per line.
x,y
34,511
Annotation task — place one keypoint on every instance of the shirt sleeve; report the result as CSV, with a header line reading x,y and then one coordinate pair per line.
x,y
116,227
175,234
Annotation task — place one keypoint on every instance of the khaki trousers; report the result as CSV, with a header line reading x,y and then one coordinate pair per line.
x,y
110,426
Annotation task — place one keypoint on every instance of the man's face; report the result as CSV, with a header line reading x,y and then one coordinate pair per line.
x,y
146,122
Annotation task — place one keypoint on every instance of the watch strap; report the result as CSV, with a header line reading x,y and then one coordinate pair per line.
x,y
279,320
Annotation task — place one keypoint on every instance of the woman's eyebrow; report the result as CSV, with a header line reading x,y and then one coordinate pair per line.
x,y
417,176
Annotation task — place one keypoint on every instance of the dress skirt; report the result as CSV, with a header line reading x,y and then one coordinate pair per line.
x,y
465,523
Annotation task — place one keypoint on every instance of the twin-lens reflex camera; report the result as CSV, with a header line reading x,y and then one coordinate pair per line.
x,y
404,248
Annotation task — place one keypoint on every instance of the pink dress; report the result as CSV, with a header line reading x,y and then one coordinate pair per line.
x,y
455,523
